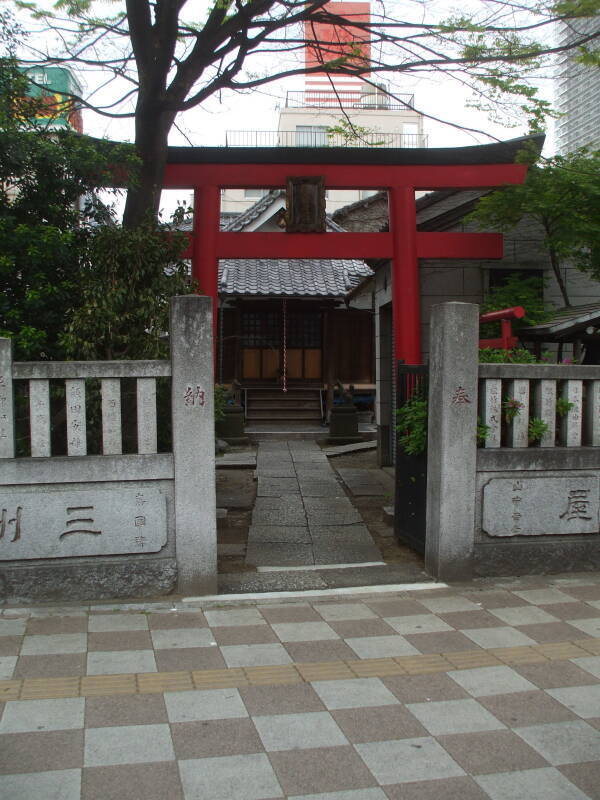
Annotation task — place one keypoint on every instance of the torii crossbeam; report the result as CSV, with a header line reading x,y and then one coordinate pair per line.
x,y
400,171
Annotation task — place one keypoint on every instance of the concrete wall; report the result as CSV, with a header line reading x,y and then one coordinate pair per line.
x,y
112,525
512,507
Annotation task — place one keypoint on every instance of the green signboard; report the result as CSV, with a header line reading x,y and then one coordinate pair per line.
x,y
53,86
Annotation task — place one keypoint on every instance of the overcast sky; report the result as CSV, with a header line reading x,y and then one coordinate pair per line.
x,y
443,98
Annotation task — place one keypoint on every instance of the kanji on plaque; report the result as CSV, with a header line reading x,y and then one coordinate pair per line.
x,y
90,522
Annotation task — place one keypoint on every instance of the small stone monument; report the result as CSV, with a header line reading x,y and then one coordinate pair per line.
x,y
343,421
231,428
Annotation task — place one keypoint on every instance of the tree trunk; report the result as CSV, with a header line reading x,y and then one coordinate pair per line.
x,y
554,260
151,140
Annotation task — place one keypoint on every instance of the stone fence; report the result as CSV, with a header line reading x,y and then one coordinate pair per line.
x,y
113,524
528,499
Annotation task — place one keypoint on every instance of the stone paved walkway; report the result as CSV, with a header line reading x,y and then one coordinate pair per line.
x,y
487,690
302,516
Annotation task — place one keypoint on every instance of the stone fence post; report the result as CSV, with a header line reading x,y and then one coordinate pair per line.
x,y
7,421
451,450
192,397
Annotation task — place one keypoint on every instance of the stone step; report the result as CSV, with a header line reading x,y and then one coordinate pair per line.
x,y
266,416
288,405
311,580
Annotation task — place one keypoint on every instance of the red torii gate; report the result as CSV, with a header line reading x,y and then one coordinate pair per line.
x,y
400,171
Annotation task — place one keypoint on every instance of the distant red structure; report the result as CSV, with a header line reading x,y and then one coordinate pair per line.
x,y
506,341
335,42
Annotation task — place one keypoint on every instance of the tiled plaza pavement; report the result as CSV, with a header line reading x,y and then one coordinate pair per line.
x,y
302,516
488,690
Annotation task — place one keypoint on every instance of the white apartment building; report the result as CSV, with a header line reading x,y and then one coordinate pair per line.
x,y
577,94
362,116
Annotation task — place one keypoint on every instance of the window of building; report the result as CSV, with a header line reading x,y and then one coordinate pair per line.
x,y
311,136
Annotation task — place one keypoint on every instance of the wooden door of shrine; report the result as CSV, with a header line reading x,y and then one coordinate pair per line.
x,y
280,340
261,345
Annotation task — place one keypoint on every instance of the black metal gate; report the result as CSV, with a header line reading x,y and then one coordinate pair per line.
x,y
410,503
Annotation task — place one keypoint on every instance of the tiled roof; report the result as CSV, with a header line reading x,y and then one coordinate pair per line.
x,y
250,214
565,322
290,277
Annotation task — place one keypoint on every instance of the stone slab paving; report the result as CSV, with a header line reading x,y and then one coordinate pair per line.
x,y
353,697
299,504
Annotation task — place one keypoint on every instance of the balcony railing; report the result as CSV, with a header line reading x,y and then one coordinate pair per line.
x,y
321,138
368,97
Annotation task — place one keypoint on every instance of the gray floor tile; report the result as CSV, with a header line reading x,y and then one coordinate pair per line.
x,y
424,688
287,510
182,637
485,681
419,623
64,784
526,708
555,674
234,616
304,631
276,487
244,634
320,770
49,625
119,640
359,628
354,693
54,644
589,626
491,751
287,699
20,716
463,788
454,716
279,554
378,724
42,751
288,534
585,776
101,623
532,784
128,744
408,760
255,655
7,667
12,627
111,663
563,742
523,615
156,781
10,645
381,646
448,604
324,650
498,637
590,664
352,794
215,737
239,777
582,700
204,704
543,597
134,709
356,534
186,658
346,554
299,731
331,511
344,611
